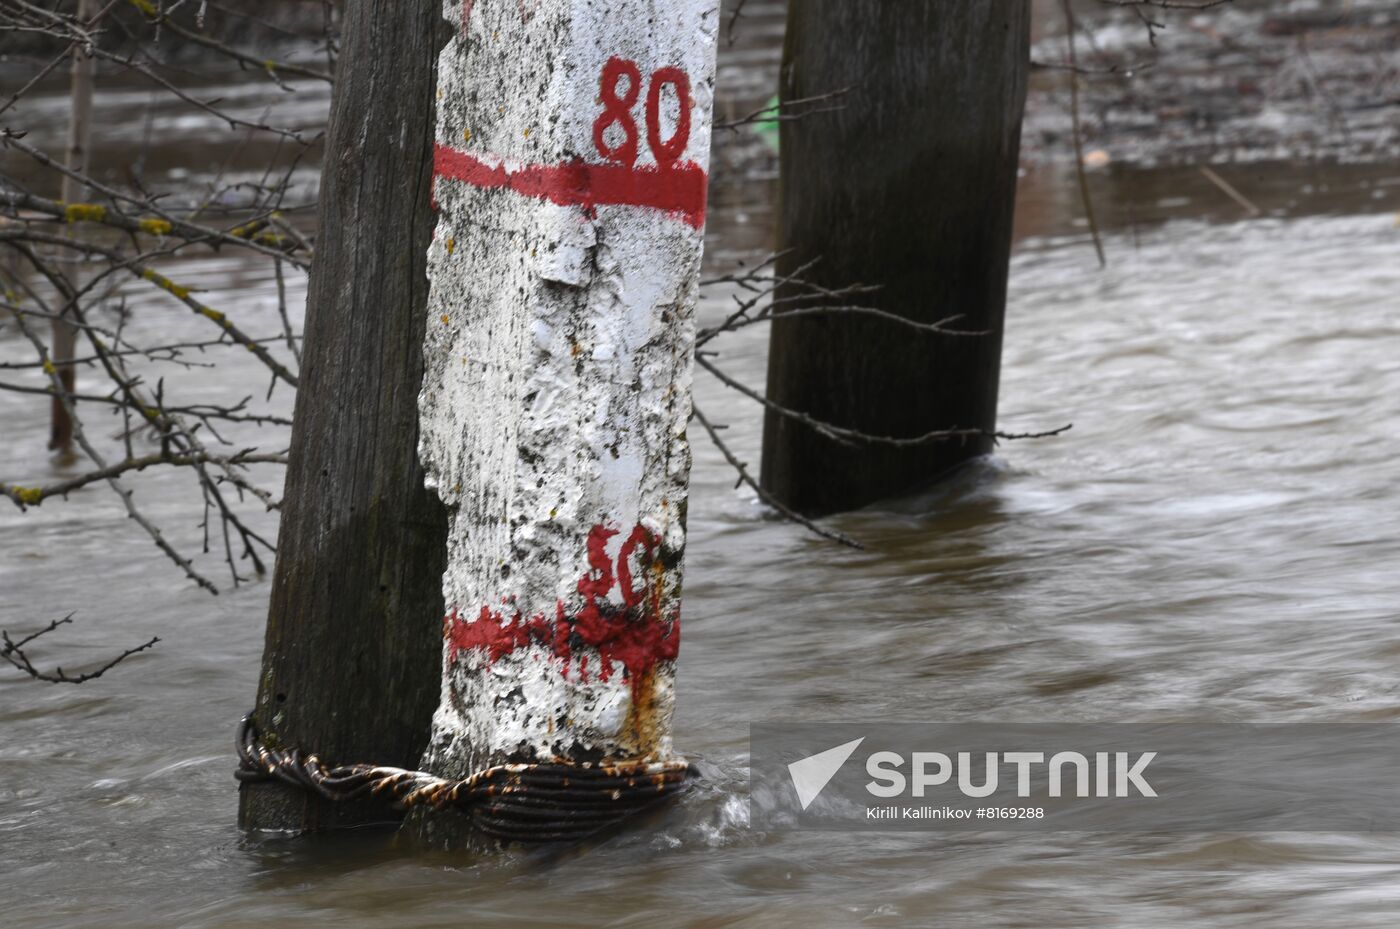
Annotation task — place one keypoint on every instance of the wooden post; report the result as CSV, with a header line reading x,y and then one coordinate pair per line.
x,y
75,158
908,185
572,158
350,669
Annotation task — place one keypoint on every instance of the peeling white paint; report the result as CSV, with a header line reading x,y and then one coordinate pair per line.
x,y
558,362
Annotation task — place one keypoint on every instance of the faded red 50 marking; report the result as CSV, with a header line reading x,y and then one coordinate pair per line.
x,y
634,635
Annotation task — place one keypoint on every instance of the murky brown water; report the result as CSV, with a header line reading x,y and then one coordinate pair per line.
x,y
1216,539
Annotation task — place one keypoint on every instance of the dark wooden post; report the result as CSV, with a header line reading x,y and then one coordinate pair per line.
x,y
82,76
354,631
909,185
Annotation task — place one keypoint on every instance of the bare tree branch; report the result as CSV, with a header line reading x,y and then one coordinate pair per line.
x,y
747,479
13,652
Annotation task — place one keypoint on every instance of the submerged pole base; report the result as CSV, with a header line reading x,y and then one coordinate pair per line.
x,y
532,803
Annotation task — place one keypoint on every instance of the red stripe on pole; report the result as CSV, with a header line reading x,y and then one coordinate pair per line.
x,y
678,189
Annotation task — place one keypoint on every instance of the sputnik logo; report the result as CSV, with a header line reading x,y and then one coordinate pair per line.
x,y
811,775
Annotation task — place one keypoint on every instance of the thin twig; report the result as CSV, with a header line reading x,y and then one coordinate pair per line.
x,y
854,437
1229,190
13,652
1078,135
121,491
786,511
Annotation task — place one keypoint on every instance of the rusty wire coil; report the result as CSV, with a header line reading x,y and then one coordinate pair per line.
x,y
549,802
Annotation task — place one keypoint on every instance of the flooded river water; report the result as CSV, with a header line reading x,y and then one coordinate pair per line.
x,y
1216,539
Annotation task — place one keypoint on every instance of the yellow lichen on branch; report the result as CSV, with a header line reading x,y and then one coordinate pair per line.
x,y
253,232
84,213
97,213
29,496
237,335
165,283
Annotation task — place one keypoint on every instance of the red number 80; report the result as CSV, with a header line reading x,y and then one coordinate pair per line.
x,y
619,110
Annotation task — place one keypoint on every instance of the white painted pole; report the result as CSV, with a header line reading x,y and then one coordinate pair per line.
x,y
571,168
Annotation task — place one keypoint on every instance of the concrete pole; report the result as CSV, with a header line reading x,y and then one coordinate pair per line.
x,y
571,169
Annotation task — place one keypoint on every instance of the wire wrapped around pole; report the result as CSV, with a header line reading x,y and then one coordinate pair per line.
x,y
547,802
